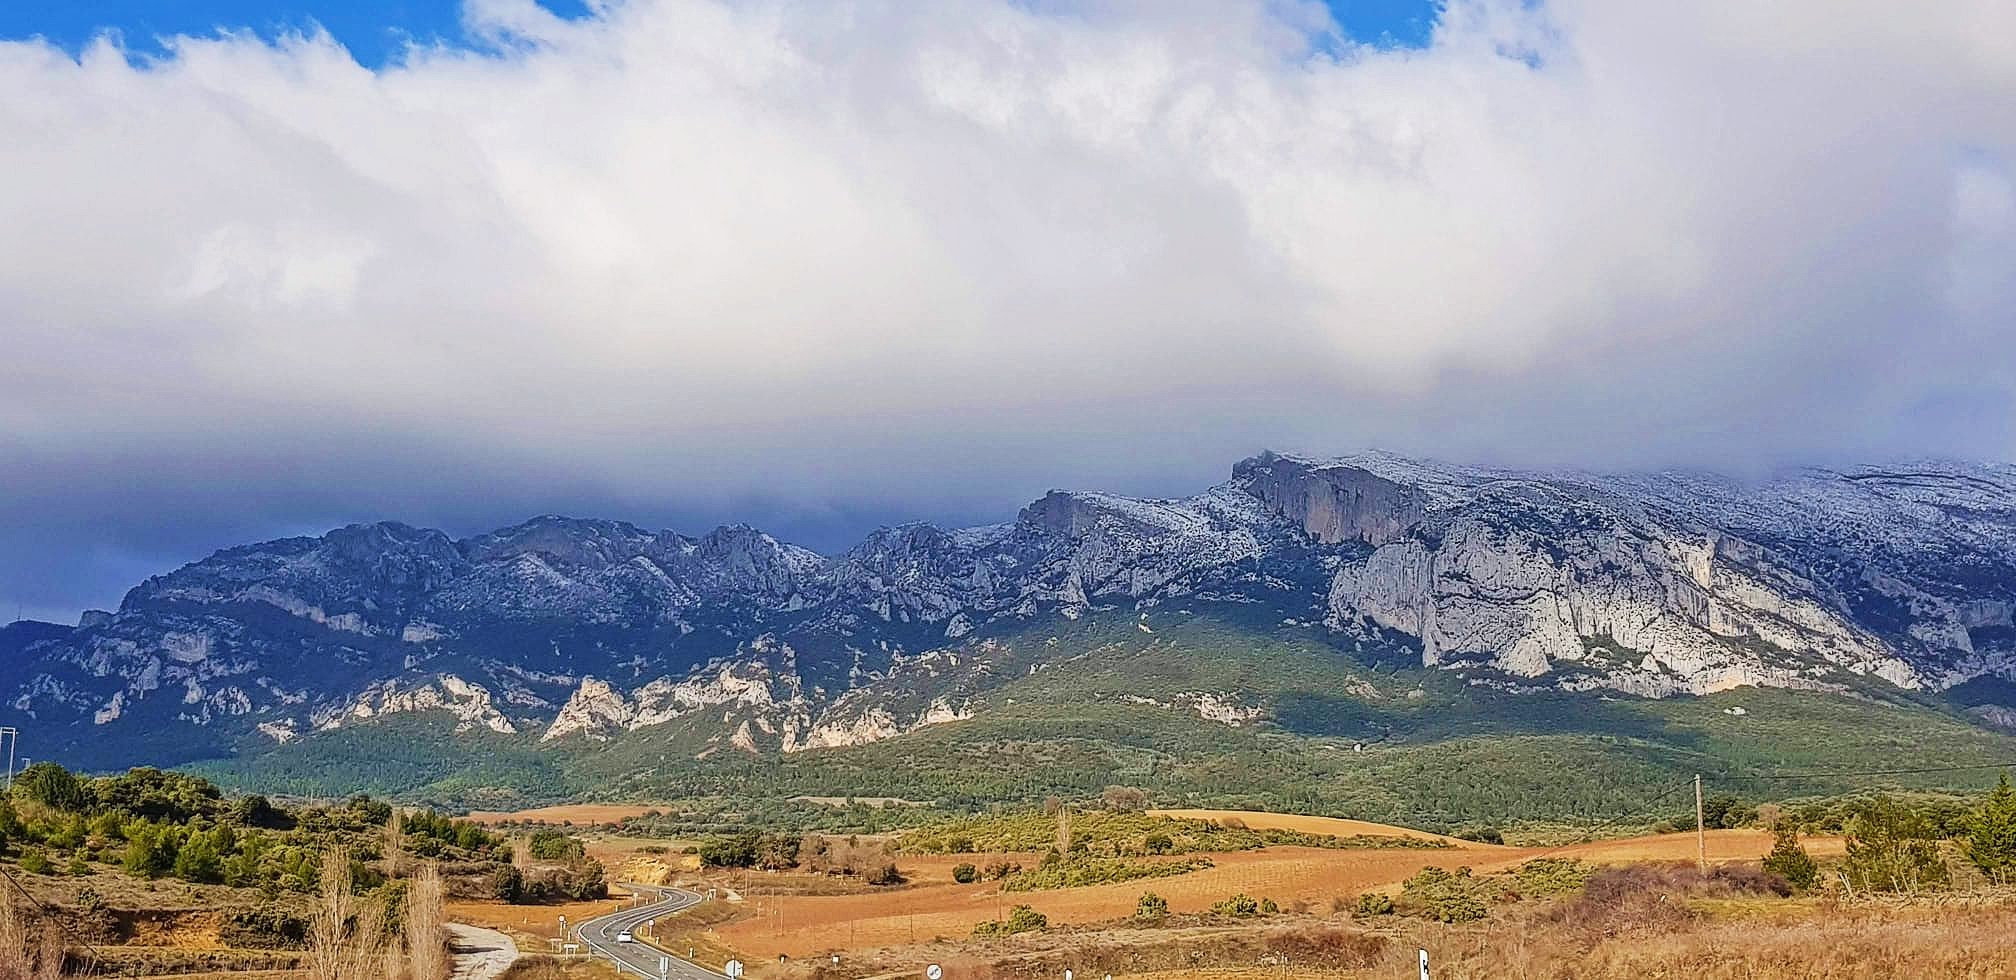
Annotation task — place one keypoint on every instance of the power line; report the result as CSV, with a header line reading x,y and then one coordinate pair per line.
x,y
48,913
1864,772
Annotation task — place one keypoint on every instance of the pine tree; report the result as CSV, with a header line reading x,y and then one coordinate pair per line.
x,y
1789,861
1991,842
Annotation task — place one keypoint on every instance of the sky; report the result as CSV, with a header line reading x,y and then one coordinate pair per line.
x,y
269,268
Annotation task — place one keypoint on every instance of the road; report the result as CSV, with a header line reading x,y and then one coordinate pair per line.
x,y
599,935
480,954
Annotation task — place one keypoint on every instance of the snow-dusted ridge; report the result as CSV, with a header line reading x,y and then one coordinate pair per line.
x,y
1649,584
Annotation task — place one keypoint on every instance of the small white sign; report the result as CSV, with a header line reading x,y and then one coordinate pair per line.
x,y
734,970
934,972
1424,965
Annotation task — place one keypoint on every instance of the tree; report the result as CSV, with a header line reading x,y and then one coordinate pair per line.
x,y
886,874
52,786
507,884
1124,799
150,851
198,860
1151,907
965,874
1158,843
552,845
1891,849
1789,861
1991,840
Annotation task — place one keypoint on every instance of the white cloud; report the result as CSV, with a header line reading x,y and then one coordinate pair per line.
x,y
697,248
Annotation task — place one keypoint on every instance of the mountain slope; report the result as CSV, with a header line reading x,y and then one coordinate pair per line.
x,y
1471,586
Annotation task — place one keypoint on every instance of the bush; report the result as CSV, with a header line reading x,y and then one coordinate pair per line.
x,y
1482,835
1789,861
1020,919
1374,903
1158,844
1083,871
1445,896
1151,907
1241,906
886,874
35,862
264,928
507,884
965,874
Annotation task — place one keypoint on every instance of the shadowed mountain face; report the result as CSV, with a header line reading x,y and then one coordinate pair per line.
x,y
561,632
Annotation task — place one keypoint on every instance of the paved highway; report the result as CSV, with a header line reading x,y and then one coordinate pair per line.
x,y
599,935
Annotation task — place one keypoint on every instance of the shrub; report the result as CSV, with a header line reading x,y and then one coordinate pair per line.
x,y
35,862
1151,907
507,884
1374,903
1240,906
268,927
1158,844
1084,871
1269,907
965,874
1020,919
886,874
1789,861
1482,835
1445,896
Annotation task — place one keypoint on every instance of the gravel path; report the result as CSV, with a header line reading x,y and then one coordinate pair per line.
x,y
480,954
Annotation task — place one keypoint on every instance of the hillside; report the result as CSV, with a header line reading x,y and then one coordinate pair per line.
x,y
1392,638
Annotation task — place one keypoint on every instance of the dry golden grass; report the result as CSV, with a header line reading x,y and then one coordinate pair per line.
x,y
1333,826
578,813
531,925
934,906
1809,942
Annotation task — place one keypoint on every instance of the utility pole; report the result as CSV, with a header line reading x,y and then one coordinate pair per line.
x,y
1700,826
12,736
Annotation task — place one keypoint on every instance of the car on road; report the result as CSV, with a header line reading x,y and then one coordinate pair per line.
x,y
625,937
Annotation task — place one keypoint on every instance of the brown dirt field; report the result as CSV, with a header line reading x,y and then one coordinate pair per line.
x,y
802,926
1334,826
579,813
531,925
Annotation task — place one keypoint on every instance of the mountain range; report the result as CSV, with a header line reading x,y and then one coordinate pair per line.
x,y
1390,580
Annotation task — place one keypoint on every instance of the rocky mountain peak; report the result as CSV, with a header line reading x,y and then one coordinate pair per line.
x,y
1333,502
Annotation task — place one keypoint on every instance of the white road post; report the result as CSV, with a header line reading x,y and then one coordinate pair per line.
x,y
1424,965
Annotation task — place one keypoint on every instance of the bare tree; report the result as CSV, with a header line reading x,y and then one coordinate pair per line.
x,y
426,949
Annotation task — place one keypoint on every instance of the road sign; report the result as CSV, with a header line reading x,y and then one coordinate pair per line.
x,y
934,972
734,970
664,966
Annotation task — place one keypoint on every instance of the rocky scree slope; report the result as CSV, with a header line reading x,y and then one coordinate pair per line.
x,y
564,632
